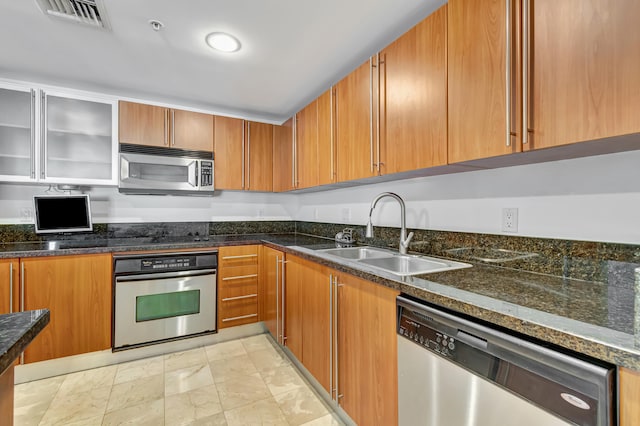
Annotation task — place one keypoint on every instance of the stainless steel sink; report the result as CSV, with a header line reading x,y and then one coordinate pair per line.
x,y
393,262
357,253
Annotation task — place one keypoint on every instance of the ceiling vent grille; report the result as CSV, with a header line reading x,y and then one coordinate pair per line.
x,y
87,12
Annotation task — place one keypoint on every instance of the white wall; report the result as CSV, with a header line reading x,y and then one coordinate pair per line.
x,y
594,198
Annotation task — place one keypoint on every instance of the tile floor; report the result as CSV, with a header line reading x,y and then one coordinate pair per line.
x,y
242,382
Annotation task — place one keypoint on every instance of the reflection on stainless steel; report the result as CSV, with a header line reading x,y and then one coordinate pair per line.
x,y
490,255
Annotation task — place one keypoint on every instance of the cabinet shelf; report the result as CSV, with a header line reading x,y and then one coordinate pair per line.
x,y
15,126
76,133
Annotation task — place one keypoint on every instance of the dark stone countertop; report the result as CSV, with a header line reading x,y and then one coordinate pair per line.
x,y
599,319
17,330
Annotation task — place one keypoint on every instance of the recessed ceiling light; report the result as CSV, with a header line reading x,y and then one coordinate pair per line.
x,y
223,42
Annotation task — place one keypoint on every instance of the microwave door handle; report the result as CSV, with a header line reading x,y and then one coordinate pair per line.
x,y
193,174
124,168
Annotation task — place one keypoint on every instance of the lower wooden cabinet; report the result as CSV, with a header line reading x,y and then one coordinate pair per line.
x,y
237,285
9,276
77,290
271,296
629,385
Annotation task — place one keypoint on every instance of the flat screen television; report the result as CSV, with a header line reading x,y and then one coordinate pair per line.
x,y
62,213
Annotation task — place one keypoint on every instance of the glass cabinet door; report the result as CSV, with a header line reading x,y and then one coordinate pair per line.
x,y
78,140
17,134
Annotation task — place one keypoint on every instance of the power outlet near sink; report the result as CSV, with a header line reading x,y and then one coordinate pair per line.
x,y
510,219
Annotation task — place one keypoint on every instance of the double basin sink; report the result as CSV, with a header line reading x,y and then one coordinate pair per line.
x,y
393,262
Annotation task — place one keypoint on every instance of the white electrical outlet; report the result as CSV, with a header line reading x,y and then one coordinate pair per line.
x,y
316,215
510,220
260,212
346,215
26,215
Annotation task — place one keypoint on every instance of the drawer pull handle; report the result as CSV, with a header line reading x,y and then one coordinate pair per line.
x,y
240,317
241,256
239,277
226,299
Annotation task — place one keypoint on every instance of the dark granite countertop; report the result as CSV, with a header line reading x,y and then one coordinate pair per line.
x,y
17,330
599,319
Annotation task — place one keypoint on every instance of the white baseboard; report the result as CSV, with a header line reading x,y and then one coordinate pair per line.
x,y
71,364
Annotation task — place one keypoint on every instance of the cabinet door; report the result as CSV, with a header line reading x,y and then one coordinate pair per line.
x,y
9,274
283,179
477,80
79,144
142,124
584,66
270,290
191,130
259,157
17,134
77,291
325,161
293,309
307,146
228,148
629,381
355,136
413,97
238,294
367,351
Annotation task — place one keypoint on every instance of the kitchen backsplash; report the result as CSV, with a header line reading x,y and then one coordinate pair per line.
x,y
591,261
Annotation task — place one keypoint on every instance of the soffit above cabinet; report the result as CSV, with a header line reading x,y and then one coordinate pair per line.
x,y
291,50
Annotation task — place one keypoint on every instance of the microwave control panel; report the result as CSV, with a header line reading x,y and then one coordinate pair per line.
x,y
206,173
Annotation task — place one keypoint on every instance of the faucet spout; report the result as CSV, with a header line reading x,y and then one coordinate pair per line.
x,y
404,239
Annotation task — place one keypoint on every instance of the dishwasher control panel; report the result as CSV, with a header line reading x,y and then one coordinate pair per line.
x,y
417,331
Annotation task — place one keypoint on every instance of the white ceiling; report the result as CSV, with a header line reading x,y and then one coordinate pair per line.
x,y
292,50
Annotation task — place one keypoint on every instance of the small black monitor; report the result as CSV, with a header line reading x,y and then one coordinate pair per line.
x,y
62,213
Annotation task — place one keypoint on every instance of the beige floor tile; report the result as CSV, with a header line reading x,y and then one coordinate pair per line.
x,y
282,379
268,359
242,391
256,343
84,381
74,407
188,407
93,421
178,360
147,414
225,350
136,392
139,369
187,379
30,415
264,412
327,420
232,368
300,406
215,420
32,399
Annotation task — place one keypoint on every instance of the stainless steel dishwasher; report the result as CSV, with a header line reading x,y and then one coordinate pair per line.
x,y
452,371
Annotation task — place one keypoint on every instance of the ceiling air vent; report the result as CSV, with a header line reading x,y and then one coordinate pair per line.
x,y
87,12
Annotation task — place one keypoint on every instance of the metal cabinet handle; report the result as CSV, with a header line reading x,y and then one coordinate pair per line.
x,y
331,335
278,335
526,48
173,128
284,286
22,300
43,134
371,113
248,296
32,122
337,346
10,287
241,256
332,135
242,166
248,155
508,82
166,126
294,168
378,117
240,317
239,277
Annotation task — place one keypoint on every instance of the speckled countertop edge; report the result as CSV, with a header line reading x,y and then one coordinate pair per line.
x,y
592,340
17,330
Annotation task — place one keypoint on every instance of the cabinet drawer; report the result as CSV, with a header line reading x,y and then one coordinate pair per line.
x,y
237,256
228,276
237,289
237,312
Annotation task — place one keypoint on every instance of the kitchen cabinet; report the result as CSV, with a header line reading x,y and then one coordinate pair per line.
x,y
271,296
413,97
56,137
142,124
283,170
237,285
356,143
77,291
293,287
629,385
244,154
9,278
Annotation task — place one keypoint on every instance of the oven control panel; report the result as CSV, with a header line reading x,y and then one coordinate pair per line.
x,y
423,335
173,263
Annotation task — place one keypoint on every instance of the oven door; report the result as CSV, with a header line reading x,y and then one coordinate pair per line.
x,y
155,172
161,306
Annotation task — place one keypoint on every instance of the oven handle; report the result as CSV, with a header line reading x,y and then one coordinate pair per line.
x,y
165,275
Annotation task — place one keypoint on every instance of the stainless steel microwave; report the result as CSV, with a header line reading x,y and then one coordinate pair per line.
x,y
165,171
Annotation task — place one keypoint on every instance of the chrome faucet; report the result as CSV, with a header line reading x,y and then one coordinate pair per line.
x,y
404,240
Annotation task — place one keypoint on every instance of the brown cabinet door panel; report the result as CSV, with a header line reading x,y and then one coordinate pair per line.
x,y
629,397
143,124
192,130
9,278
293,309
259,157
307,146
228,148
325,162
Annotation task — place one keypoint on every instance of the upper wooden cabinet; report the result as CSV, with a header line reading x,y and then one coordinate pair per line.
x,y
283,172
77,291
159,126
582,60
413,97
307,166
243,152
9,276
355,138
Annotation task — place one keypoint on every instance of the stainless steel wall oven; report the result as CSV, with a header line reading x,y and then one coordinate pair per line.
x,y
164,296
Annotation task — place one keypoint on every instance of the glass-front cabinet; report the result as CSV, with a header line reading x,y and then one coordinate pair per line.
x,y
56,137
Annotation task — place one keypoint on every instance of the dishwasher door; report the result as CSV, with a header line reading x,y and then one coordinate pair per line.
x,y
455,372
